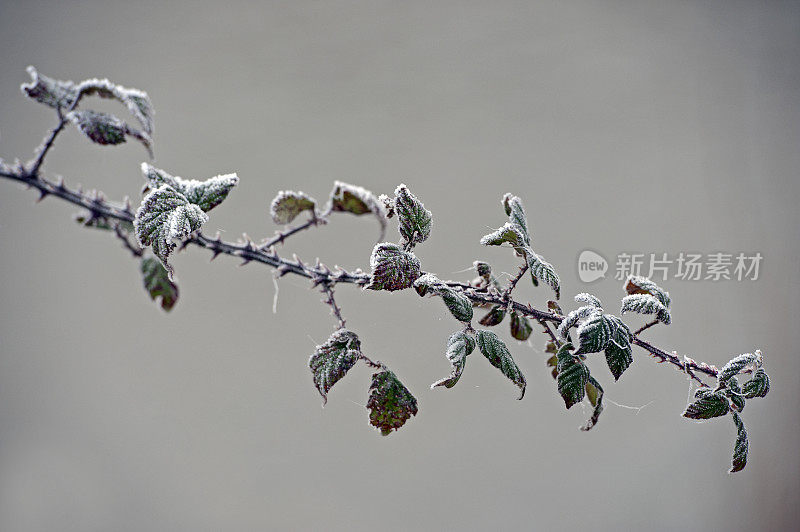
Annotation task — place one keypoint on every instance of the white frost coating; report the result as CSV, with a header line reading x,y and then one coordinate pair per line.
x,y
288,204
370,203
638,283
137,101
646,304
588,299
205,194
572,319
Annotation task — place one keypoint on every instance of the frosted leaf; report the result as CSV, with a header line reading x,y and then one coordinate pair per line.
x,y
137,101
357,200
516,214
588,299
757,386
734,392
332,360
388,204
459,345
157,283
52,92
457,303
707,404
572,319
205,194
500,357
646,304
483,269
106,129
163,216
520,326
510,233
494,316
741,447
541,270
619,354
642,285
392,268
414,220
288,204
572,376
594,392
594,334
736,365
390,404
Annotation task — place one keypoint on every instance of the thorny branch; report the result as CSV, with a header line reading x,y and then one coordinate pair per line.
x,y
319,274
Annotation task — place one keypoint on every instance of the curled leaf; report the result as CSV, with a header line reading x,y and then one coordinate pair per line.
x,y
288,204
456,302
594,334
459,345
357,200
588,299
51,92
646,304
520,326
757,386
392,268
572,319
205,194
594,392
572,376
494,316
500,357
741,447
332,360
736,365
642,285
157,283
541,270
707,405
413,218
510,233
619,354
390,404
106,129
516,214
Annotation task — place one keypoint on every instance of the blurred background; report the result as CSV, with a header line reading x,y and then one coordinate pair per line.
x,y
648,127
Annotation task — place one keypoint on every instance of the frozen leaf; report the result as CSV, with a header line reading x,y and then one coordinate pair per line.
x,y
736,365
288,204
428,283
646,304
594,392
392,267
642,285
572,319
741,446
157,283
390,404
357,200
388,204
457,303
510,233
205,194
757,386
106,129
137,102
494,316
707,404
49,91
459,345
413,218
588,299
619,354
483,269
163,216
516,214
541,270
734,392
520,326
572,376
332,360
594,334
500,357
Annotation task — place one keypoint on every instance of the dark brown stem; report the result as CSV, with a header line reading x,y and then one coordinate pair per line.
x,y
644,327
327,288
135,250
513,282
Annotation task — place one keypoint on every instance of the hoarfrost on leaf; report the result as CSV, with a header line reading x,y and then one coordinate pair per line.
x,y
619,355
457,303
736,365
106,129
163,216
642,285
390,404
51,92
572,376
757,386
572,319
510,233
588,299
332,360
707,404
741,446
594,392
158,284
459,346
516,215
500,357
205,194
541,270
288,204
494,316
646,304
357,200
520,326
392,267
594,334
414,220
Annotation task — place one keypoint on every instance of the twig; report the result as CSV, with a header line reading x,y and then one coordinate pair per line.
x,y
135,250
327,289
513,282
644,327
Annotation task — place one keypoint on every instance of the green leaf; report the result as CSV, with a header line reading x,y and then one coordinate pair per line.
x,y
205,194
288,204
520,326
708,404
392,268
572,376
510,233
734,393
357,200
642,285
594,334
494,316
541,270
106,129
332,360
51,92
572,319
457,303
737,364
741,446
588,299
516,214
594,392
157,283
163,216
619,354
390,404
459,345
757,386
646,304
500,357
413,218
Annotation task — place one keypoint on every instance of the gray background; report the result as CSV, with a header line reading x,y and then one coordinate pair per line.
x,y
624,126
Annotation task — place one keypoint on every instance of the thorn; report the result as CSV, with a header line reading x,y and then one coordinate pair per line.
x,y
183,245
42,195
60,183
244,262
283,269
214,254
217,237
